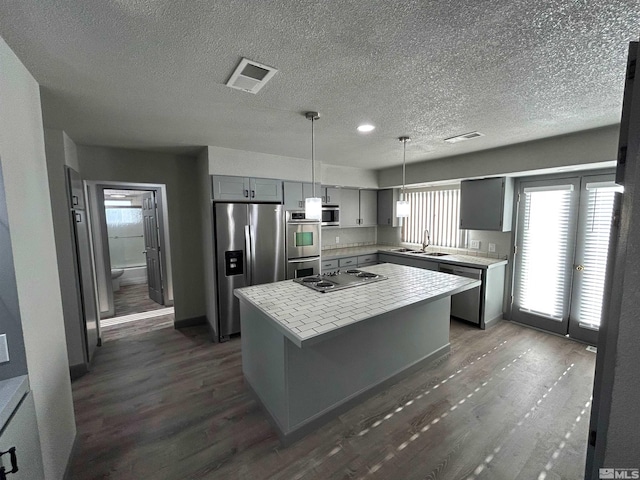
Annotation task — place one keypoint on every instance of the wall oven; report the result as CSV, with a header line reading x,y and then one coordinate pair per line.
x,y
302,245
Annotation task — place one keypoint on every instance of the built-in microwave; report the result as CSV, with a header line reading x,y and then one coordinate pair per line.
x,y
330,215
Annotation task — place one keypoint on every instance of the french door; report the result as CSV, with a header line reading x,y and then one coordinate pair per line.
x,y
562,240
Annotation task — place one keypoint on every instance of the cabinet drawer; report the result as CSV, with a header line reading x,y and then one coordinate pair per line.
x,y
368,259
329,264
348,262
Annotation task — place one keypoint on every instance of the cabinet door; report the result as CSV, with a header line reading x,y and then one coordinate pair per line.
x,y
485,205
368,208
332,195
230,188
293,196
22,433
307,191
349,207
387,208
265,190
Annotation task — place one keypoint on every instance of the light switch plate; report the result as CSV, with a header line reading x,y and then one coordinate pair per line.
x,y
492,248
337,240
475,244
4,349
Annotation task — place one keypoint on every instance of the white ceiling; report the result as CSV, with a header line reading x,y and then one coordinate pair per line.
x,y
150,74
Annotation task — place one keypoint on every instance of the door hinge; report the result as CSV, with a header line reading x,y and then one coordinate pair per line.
x,y
592,438
515,249
631,70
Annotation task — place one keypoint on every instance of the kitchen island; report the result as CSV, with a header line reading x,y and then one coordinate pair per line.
x,y
309,356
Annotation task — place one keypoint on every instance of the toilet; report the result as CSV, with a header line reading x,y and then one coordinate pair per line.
x,y
116,273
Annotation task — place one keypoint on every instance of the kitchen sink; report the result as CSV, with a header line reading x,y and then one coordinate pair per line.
x,y
436,254
407,250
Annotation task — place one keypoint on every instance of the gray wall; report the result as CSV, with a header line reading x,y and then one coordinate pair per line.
x,y
9,308
181,176
61,151
34,257
588,147
206,218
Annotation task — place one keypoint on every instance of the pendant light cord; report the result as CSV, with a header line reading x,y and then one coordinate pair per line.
x,y
404,141
313,161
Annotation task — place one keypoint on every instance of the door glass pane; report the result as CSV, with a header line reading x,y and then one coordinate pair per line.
x,y
545,250
596,247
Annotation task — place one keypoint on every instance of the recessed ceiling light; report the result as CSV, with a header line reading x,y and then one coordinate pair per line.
x,y
366,128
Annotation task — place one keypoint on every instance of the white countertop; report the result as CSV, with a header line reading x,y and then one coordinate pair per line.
x,y
453,259
306,316
11,392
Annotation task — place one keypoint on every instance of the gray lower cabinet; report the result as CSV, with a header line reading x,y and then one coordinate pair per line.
x,y
329,266
21,433
246,189
350,262
366,260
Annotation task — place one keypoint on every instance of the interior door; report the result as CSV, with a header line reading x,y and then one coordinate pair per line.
x,y
152,247
545,243
597,194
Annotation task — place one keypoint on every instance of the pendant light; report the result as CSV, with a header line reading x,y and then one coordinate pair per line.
x,y
402,205
313,205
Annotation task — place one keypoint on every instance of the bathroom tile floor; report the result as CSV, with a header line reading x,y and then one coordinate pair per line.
x,y
134,299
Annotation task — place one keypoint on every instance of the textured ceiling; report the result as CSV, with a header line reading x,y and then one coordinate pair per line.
x,y
150,73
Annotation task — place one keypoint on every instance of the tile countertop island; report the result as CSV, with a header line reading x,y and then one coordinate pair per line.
x,y
309,356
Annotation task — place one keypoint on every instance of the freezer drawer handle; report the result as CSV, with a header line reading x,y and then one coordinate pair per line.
x,y
14,463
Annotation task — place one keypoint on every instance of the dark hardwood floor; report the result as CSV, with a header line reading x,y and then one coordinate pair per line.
x,y
133,299
506,403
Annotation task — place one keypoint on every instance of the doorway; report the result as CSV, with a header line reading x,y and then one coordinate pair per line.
x,y
136,276
562,241
132,251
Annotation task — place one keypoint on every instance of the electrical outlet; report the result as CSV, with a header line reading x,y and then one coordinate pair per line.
x,y
475,244
4,350
492,248
337,240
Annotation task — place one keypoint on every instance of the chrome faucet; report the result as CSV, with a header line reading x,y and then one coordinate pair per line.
x,y
426,240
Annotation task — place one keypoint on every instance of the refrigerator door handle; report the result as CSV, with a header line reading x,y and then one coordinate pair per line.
x,y
248,249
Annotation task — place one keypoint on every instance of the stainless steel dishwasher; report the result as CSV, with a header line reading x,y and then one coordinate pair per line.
x,y
465,305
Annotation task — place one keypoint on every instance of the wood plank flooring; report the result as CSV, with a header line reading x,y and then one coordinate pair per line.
x,y
506,403
133,299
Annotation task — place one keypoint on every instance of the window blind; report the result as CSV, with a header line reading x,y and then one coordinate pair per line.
x,y
437,211
596,248
545,249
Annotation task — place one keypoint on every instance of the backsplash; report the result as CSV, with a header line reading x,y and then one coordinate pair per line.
x,y
348,237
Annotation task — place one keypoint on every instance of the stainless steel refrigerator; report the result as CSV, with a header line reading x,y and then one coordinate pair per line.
x,y
249,251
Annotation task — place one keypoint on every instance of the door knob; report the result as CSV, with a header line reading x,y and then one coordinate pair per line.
x,y
579,268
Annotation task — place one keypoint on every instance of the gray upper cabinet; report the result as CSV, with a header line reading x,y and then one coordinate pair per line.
x,y
486,204
358,208
246,189
296,192
387,207
349,207
331,195
368,208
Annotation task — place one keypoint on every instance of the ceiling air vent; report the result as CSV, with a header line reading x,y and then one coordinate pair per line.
x,y
250,76
464,136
